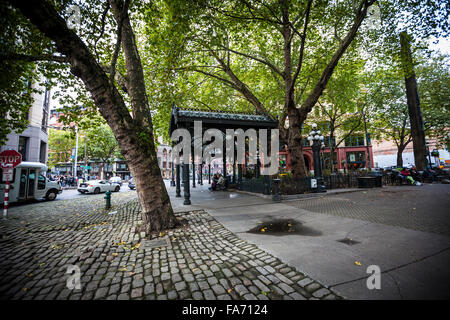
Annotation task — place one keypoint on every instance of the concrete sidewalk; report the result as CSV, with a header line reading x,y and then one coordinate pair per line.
x,y
414,264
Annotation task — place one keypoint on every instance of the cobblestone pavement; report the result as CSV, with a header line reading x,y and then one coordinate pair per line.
x,y
423,208
201,260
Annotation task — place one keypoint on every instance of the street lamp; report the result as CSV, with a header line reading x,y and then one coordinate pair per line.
x,y
317,139
427,144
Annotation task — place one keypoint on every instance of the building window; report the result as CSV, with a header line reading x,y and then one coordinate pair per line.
x,y
42,152
122,166
358,157
41,182
45,108
23,146
327,160
328,142
354,141
305,142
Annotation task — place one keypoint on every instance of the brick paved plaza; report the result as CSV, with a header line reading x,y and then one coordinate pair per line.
x,y
201,260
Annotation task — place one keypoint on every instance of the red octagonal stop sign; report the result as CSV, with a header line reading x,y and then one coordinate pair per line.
x,y
10,157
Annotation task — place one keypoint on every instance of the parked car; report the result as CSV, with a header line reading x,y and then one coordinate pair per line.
x,y
97,186
117,180
131,184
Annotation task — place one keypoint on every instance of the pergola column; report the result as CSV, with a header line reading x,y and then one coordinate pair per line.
x,y
193,172
209,173
178,183
187,193
224,159
240,174
172,181
258,166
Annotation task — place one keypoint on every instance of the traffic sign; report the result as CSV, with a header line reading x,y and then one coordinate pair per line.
x,y
8,174
10,159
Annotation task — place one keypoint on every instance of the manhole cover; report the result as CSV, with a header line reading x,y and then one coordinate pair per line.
x,y
155,243
348,241
284,227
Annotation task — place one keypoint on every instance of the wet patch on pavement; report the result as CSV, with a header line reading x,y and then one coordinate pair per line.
x,y
282,227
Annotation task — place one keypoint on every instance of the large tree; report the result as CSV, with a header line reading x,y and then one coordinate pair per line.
x,y
101,145
434,90
277,55
84,52
340,109
405,26
388,104
60,144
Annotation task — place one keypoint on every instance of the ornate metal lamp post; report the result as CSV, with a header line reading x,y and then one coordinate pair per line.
x,y
427,144
172,181
317,139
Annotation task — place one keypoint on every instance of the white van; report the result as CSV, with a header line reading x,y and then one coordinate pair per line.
x,y
29,182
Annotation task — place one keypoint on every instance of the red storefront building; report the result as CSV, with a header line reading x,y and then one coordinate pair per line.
x,y
351,156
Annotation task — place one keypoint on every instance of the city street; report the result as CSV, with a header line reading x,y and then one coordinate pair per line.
x,y
73,193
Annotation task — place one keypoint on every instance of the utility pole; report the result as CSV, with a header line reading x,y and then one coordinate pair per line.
x,y
85,158
367,140
76,154
412,95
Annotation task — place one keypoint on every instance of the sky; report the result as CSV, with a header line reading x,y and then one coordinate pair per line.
x,y
443,46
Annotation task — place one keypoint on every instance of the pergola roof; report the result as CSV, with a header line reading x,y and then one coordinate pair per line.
x,y
184,118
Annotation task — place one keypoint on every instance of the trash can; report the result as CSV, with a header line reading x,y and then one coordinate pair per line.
x,y
366,182
378,178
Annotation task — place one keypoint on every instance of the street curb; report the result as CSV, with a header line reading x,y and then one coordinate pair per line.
x,y
303,195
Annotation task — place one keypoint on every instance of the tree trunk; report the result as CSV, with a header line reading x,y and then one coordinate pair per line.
x,y
400,156
298,168
412,95
332,146
320,86
295,127
134,135
101,171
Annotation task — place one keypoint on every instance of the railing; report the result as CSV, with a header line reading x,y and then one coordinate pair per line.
x,y
259,185
341,181
290,185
